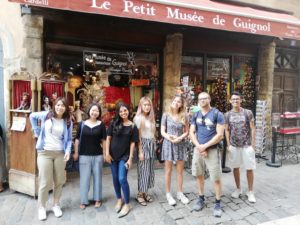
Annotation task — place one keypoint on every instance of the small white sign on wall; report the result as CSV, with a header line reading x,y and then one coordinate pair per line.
x,y
18,123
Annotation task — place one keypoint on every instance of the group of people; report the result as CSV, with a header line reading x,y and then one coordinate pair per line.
x,y
95,145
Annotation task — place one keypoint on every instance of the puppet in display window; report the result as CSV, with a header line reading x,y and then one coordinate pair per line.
x,y
53,97
46,106
78,113
25,103
103,78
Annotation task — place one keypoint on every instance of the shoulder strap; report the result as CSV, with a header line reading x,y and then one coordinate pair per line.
x,y
197,114
246,113
81,128
216,114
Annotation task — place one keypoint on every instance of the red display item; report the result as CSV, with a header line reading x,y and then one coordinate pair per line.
x,y
114,94
290,130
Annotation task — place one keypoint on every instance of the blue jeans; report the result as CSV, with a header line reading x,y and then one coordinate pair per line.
x,y
119,175
90,166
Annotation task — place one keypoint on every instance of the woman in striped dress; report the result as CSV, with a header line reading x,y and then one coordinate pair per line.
x,y
145,121
174,129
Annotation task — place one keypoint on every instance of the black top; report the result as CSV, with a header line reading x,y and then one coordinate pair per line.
x,y
120,143
91,139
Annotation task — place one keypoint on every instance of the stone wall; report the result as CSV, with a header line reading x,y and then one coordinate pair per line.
x,y
266,58
172,67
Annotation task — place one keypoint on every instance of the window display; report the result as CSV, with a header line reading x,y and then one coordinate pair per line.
x,y
243,79
218,73
106,77
191,78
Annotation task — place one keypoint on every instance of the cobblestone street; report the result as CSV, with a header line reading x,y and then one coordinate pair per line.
x,y
277,195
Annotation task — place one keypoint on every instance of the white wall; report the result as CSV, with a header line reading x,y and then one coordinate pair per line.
x,y
11,36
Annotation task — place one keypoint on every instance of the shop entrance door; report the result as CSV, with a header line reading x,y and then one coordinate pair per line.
x,y
1,87
285,92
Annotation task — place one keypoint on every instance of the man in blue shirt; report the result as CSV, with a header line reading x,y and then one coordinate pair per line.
x,y
206,131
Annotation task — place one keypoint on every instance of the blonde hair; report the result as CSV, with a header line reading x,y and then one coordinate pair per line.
x,y
150,116
181,111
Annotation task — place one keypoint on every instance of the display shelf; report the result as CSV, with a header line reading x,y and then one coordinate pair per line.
x,y
290,115
289,130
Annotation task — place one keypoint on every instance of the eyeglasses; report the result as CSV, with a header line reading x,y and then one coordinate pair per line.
x,y
235,99
202,99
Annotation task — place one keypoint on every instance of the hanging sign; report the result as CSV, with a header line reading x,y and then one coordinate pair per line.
x,y
115,63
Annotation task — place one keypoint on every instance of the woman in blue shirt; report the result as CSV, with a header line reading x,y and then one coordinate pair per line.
x,y
53,147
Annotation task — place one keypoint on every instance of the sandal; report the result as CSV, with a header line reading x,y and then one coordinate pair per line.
x,y
140,199
82,206
148,198
98,204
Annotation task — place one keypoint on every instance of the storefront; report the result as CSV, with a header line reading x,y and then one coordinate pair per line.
x,y
121,47
111,51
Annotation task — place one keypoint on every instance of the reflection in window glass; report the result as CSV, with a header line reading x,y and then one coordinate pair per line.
x,y
243,79
192,76
218,71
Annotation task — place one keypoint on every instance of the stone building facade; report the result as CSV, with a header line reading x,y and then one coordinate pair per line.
x,y
22,40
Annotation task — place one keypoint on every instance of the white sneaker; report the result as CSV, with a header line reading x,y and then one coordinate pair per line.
x,y
170,199
57,211
181,197
42,213
237,193
251,197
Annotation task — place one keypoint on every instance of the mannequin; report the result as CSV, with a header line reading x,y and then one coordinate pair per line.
x,y
78,113
103,78
46,106
25,103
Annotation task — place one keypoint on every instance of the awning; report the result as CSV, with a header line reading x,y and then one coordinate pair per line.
x,y
198,13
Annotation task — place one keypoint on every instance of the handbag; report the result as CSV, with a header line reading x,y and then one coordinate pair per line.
x,y
159,144
158,150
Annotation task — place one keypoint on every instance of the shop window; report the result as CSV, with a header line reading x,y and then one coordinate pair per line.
x,y
191,83
218,71
106,77
243,79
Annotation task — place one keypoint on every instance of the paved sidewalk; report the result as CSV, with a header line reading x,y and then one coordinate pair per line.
x,y
291,220
277,194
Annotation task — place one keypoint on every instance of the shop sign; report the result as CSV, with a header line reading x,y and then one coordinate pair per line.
x,y
203,13
140,82
115,63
